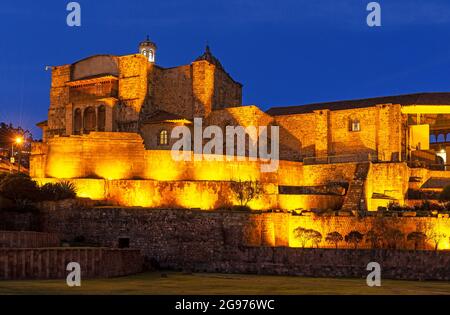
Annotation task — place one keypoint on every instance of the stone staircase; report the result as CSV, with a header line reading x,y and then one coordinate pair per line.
x,y
354,199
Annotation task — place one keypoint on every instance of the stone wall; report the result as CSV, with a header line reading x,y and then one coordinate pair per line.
x,y
100,162
245,242
328,133
18,221
15,239
329,263
50,263
151,228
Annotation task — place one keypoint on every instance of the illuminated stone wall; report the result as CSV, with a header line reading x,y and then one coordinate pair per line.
x,y
105,225
328,133
91,159
224,241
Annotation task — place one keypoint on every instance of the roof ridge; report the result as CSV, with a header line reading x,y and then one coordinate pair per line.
x,y
440,98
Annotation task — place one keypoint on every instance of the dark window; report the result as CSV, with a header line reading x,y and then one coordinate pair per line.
x,y
101,118
124,242
77,122
89,119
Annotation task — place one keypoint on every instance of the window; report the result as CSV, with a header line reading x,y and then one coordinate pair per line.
x,y
89,119
101,118
163,138
77,122
356,126
124,242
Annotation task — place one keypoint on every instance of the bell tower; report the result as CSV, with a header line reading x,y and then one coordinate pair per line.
x,y
148,49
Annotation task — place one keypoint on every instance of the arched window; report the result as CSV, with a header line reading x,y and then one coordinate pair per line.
x,y
77,122
163,137
150,55
441,138
89,119
101,118
447,138
432,138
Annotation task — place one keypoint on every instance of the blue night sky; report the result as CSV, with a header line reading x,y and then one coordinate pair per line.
x,y
285,52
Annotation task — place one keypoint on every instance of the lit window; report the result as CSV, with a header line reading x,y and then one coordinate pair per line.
x,y
163,138
356,126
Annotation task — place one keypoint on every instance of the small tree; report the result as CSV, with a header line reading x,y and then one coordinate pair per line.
x,y
302,235
315,237
19,188
436,237
394,237
354,237
418,238
246,191
373,238
334,238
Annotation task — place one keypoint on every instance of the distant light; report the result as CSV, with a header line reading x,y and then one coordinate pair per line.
x,y
19,140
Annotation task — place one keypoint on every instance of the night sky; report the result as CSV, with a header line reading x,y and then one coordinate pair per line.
x,y
285,52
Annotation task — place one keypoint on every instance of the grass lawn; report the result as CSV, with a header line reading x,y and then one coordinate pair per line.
x,y
198,284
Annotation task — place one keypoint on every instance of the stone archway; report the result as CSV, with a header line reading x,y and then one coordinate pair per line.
x,y
89,119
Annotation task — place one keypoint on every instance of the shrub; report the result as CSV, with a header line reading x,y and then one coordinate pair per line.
x,y
58,191
308,235
373,238
19,187
394,237
315,237
246,191
354,237
302,235
417,237
436,237
2,176
334,238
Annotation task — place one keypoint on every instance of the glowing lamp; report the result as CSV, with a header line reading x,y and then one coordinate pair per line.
x,y
19,140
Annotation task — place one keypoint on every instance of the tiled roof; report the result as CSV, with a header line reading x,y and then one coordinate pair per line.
x,y
407,99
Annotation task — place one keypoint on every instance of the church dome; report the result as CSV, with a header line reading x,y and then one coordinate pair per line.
x,y
148,43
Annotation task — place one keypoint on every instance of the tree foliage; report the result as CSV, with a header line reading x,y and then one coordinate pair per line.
x,y
246,191
308,235
354,237
418,238
334,238
58,191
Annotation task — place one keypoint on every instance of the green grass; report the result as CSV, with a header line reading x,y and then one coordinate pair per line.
x,y
217,284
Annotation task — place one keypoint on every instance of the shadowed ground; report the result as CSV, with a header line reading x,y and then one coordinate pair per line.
x,y
195,284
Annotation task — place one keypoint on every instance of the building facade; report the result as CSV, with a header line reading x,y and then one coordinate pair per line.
x,y
110,120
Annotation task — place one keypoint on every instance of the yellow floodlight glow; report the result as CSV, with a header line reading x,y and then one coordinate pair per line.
x,y
18,140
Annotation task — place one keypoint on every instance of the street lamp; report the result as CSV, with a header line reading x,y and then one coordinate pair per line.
x,y
18,141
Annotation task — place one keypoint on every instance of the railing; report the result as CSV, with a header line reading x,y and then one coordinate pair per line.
x,y
345,158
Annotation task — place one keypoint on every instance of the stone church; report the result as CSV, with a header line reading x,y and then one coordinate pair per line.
x,y
110,120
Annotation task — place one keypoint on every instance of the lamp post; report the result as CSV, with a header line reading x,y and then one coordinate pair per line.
x,y
19,141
